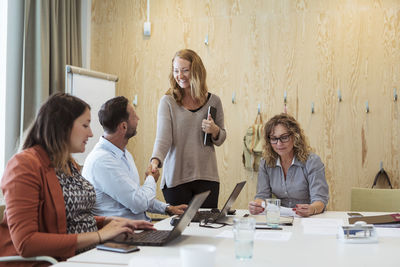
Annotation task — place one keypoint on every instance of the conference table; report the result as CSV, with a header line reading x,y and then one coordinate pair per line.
x,y
308,242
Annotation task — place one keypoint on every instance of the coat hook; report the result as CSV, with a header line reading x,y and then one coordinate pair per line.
x,y
284,97
312,107
259,108
339,95
394,94
206,40
234,97
366,107
134,102
381,165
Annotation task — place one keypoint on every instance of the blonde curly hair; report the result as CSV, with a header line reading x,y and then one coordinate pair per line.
x,y
301,146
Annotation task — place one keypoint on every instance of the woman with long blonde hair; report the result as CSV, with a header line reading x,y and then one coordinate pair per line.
x,y
189,167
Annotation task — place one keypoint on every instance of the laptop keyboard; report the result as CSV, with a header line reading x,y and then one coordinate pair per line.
x,y
153,236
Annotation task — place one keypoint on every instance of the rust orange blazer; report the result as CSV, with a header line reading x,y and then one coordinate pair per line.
x,y
34,222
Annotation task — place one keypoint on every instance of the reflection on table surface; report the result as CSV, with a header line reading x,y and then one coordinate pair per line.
x,y
309,242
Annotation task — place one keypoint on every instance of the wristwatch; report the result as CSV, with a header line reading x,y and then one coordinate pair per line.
x,y
167,211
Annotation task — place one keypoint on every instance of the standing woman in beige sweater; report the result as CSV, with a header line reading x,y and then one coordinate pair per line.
x,y
189,167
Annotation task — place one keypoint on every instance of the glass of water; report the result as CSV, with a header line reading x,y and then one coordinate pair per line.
x,y
243,232
272,211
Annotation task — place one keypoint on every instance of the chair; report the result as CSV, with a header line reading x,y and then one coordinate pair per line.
x,y
366,199
19,258
2,208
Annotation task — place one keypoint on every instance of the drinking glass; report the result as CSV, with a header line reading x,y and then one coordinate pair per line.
x,y
272,211
243,232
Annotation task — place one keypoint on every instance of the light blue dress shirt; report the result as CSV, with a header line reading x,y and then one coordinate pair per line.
x,y
304,183
114,175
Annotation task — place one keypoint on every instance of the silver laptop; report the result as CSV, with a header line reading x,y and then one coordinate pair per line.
x,y
220,216
161,237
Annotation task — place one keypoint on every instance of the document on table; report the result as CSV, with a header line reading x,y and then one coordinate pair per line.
x,y
388,232
287,215
262,235
288,212
156,262
275,235
317,226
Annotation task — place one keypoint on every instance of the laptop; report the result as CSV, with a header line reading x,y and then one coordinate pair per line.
x,y
220,216
161,237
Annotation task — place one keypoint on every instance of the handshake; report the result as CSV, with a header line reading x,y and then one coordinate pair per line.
x,y
153,170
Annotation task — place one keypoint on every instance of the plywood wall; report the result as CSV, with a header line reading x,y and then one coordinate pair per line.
x,y
259,50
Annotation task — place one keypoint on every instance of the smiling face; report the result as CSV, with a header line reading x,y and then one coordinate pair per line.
x,y
283,149
80,133
181,69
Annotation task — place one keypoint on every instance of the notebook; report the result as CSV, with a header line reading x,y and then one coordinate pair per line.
x,y
220,217
207,137
393,218
161,237
262,220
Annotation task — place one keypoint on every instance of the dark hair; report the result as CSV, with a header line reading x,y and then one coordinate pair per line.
x,y
53,125
198,75
301,147
113,112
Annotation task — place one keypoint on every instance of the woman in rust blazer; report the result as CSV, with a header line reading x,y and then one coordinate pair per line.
x,y
48,202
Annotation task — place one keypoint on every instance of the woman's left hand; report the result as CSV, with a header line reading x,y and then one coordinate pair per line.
x,y
304,210
209,126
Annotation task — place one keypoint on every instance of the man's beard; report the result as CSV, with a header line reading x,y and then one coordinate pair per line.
x,y
131,133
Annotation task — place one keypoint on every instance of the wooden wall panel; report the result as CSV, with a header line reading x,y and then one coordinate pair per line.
x,y
259,50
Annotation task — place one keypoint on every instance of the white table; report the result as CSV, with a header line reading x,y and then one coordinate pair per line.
x,y
80,264
300,250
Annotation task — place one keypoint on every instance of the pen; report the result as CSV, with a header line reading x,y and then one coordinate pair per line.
x,y
268,228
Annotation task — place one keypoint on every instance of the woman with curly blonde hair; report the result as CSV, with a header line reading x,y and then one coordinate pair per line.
x,y
290,170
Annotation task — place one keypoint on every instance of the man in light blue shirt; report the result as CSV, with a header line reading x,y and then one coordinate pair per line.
x,y
113,173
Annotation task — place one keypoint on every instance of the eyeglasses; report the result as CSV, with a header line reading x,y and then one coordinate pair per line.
x,y
283,138
208,224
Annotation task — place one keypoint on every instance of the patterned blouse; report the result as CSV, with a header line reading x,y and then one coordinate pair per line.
x,y
79,198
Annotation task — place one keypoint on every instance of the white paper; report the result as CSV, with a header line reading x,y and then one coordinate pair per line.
x,y
275,235
321,230
321,222
316,226
388,232
155,262
288,212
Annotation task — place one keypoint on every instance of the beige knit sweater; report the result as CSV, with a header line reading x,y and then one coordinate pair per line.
x,y
179,142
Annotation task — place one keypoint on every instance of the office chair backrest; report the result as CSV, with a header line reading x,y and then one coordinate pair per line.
x,y
19,258
366,199
2,208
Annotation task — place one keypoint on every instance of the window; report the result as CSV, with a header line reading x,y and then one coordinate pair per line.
x,y
3,46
